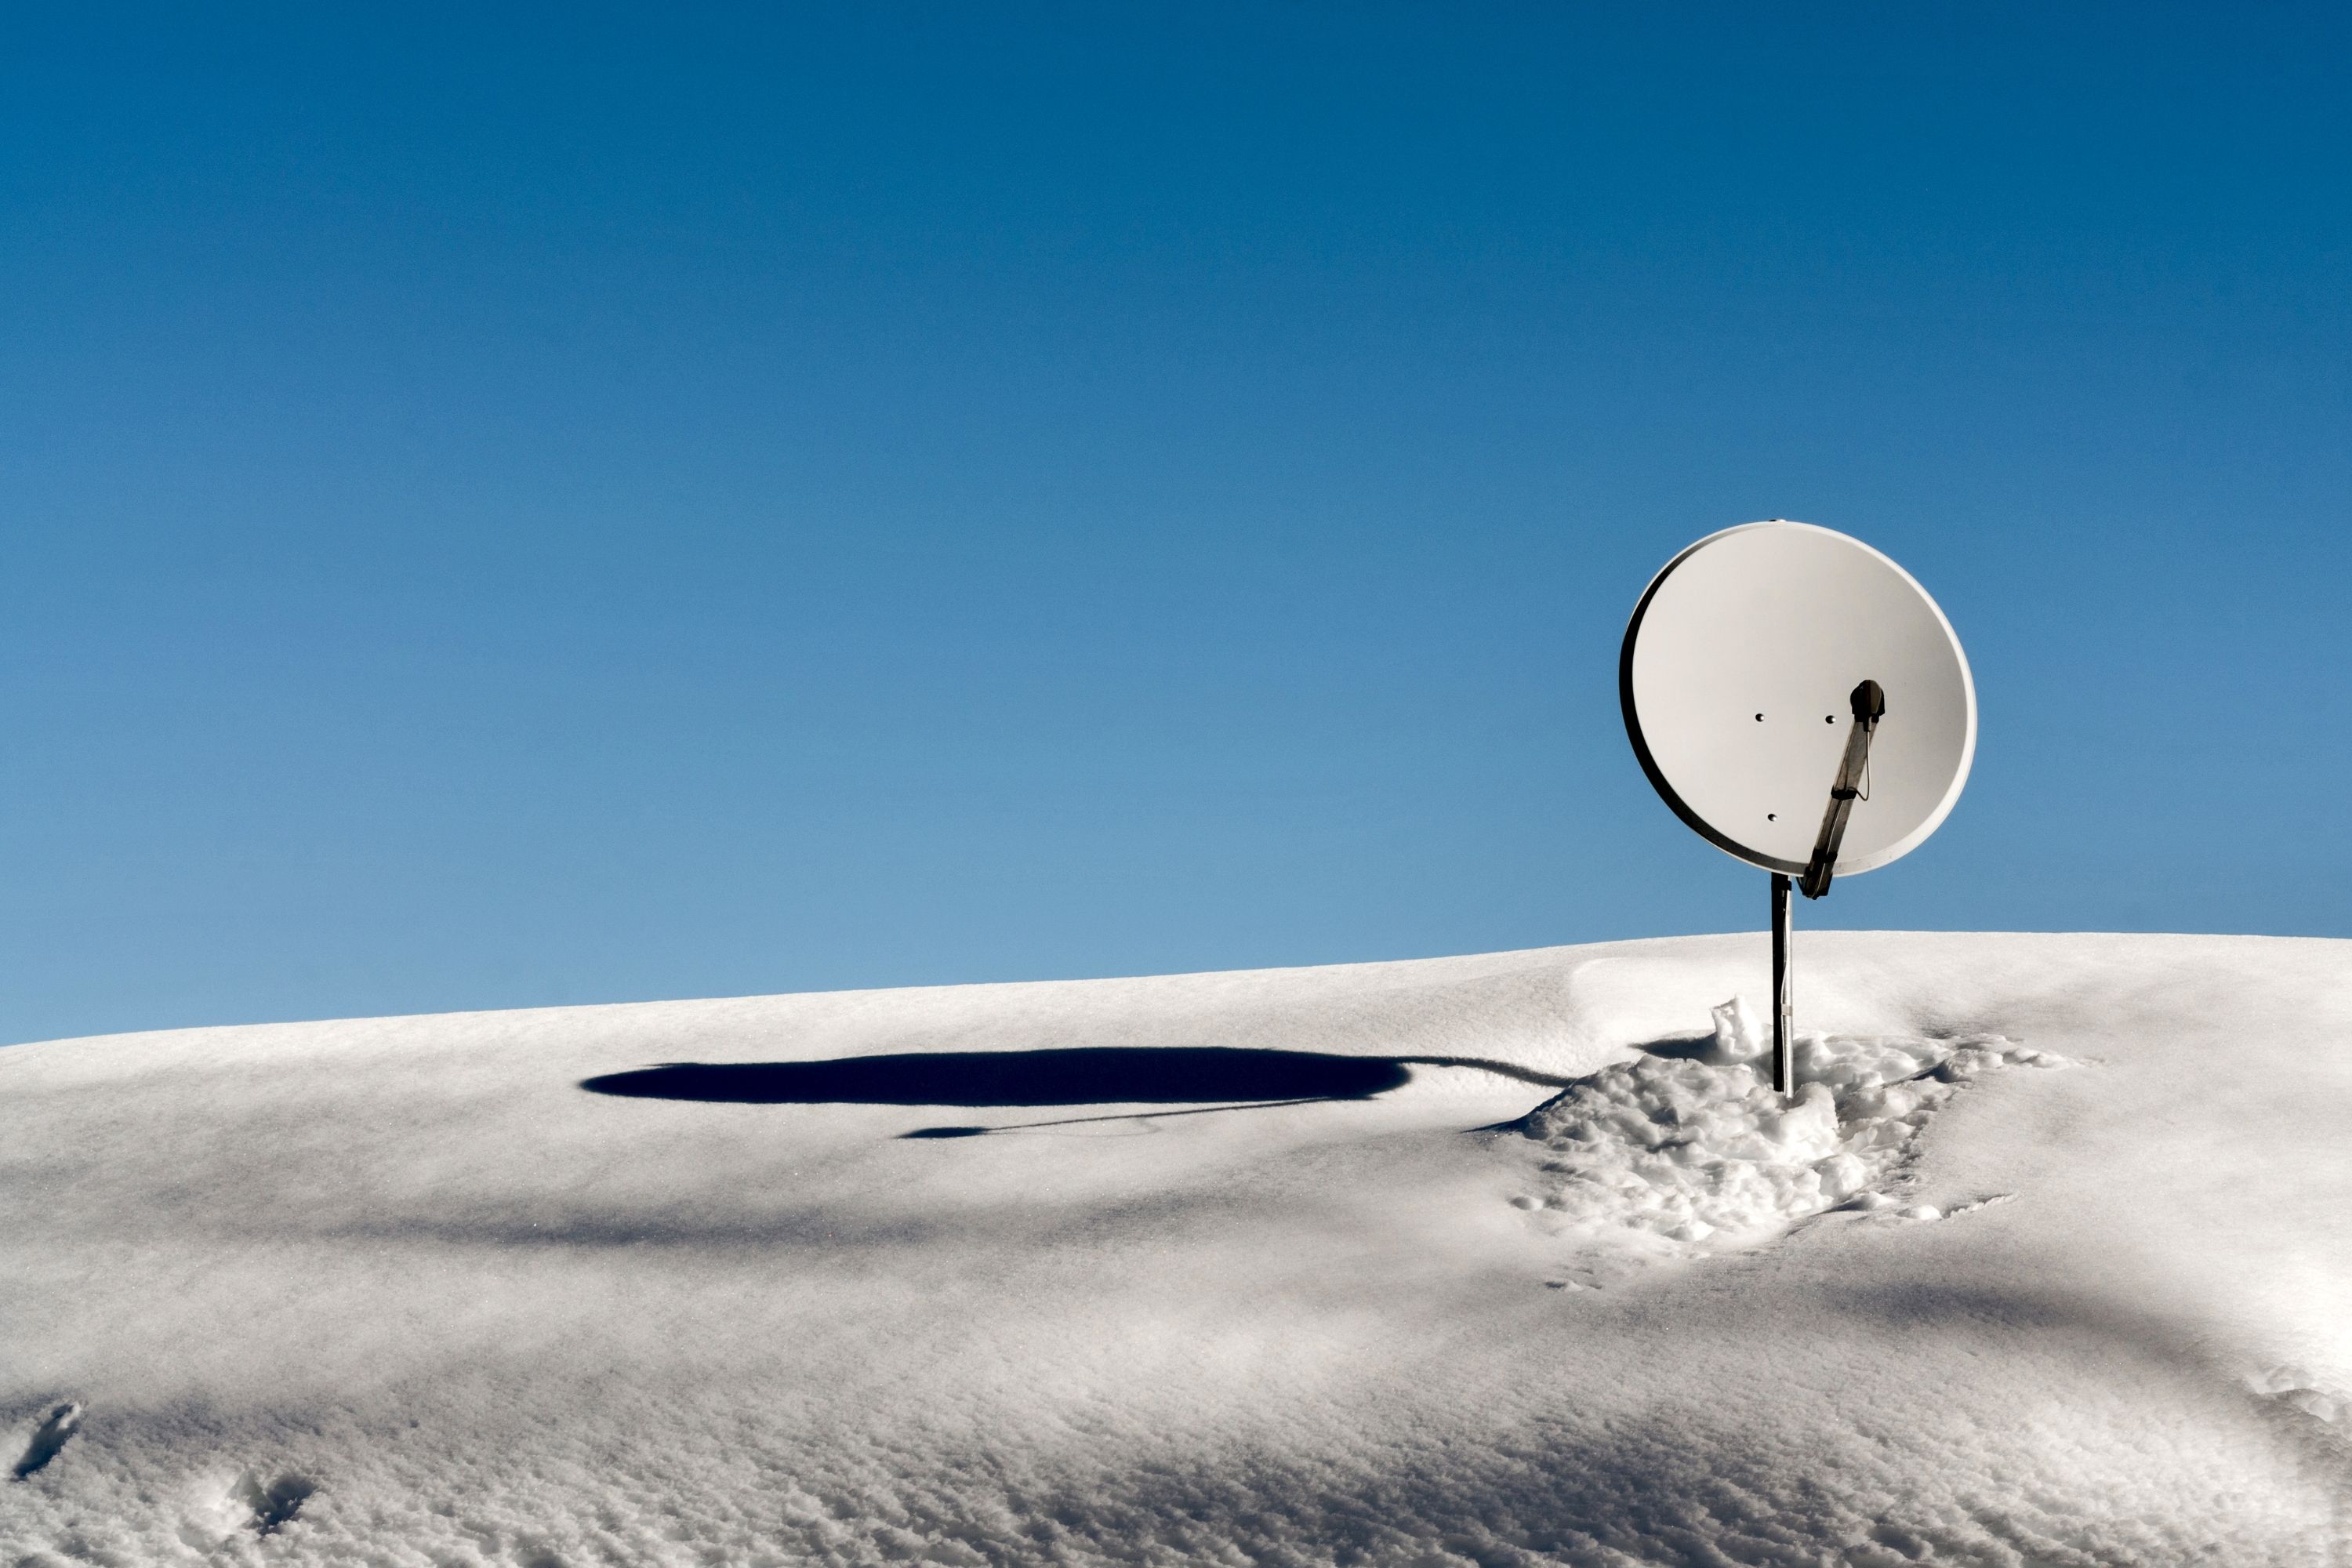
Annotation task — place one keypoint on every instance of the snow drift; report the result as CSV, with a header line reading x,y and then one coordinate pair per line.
x,y
2044,1266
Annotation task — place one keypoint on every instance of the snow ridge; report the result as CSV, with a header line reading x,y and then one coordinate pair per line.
x,y
1687,1149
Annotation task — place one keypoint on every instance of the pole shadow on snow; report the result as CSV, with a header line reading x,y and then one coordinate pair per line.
x,y
1205,1078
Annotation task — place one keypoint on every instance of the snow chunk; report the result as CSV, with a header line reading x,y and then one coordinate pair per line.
x,y
1739,1034
2293,1388
1693,1151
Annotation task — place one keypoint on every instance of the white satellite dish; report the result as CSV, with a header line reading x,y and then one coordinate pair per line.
x,y
1799,700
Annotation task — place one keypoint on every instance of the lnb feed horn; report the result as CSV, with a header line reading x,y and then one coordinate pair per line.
x,y
1869,703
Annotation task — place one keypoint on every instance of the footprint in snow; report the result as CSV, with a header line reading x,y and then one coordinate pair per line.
x,y
276,1503
50,1440
218,1514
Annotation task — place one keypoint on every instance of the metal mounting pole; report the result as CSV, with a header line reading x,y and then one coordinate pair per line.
x,y
1784,1064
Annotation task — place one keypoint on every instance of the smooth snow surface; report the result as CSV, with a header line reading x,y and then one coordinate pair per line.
x,y
1497,1259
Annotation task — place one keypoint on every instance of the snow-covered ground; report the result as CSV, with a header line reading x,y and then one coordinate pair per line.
x,y
1493,1260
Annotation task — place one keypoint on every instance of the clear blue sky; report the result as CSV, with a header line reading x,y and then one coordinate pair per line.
x,y
591,504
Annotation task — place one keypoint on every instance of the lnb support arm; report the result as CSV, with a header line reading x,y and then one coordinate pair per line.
x,y
1869,707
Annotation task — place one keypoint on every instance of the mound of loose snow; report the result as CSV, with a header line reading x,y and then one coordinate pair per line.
x,y
1693,1151
404,1292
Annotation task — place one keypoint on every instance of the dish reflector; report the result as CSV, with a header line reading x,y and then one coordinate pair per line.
x,y
1737,677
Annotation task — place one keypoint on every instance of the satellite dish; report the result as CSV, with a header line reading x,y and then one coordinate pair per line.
x,y
1799,700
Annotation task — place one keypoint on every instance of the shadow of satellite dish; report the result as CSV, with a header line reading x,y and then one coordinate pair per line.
x,y
1099,1075
1200,1080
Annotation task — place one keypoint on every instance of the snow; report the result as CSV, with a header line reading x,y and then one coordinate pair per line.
x,y
1682,1150
2045,1264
